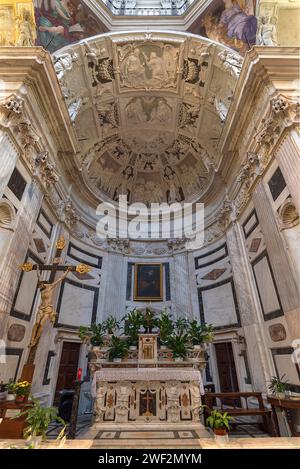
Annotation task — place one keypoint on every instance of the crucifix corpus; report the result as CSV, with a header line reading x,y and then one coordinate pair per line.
x,y
46,310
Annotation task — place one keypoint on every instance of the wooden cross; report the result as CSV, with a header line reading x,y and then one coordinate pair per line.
x,y
46,310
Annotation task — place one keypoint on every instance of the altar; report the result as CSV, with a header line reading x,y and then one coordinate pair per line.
x,y
148,386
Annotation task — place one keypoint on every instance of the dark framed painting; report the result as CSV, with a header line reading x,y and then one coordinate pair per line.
x,y
148,282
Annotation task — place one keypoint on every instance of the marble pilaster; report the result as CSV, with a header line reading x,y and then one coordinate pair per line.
x,y
114,268
8,159
284,273
17,249
180,295
288,157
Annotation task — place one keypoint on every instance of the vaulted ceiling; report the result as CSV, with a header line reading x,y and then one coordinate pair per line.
x,y
148,111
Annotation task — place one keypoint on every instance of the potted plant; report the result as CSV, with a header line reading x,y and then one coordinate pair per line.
x,y
133,322
118,349
93,335
149,321
166,328
22,389
178,342
278,387
38,419
208,333
182,324
111,325
11,394
200,334
219,422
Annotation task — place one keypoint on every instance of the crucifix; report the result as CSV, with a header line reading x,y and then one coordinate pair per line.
x,y
46,310
148,401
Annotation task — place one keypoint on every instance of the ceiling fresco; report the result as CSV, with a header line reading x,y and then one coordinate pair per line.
x,y
148,111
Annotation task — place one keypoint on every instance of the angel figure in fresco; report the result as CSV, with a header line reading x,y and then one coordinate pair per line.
x,y
57,25
46,310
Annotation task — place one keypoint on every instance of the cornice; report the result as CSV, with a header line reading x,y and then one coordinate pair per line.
x,y
31,75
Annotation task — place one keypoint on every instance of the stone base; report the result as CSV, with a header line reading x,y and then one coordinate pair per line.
x,y
147,401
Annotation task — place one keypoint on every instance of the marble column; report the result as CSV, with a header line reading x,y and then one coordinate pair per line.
x,y
17,249
284,274
249,309
288,157
8,159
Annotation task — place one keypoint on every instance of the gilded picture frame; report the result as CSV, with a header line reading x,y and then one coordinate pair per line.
x,y
148,282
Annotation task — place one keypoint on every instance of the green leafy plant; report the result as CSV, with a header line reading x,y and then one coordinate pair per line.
x,y
111,325
38,419
182,324
11,387
278,385
178,342
118,348
208,332
94,334
200,333
149,321
218,420
132,324
166,327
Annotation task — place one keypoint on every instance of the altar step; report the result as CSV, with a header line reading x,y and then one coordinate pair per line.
x,y
151,435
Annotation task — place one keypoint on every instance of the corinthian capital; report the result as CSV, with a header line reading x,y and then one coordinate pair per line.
x,y
11,109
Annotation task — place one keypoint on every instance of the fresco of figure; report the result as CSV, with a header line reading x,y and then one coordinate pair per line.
x,y
239,24
56,24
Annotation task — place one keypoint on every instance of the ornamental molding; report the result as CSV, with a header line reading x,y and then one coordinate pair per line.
x,y
283,113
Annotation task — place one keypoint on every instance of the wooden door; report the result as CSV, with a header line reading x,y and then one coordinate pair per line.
x,y
226,367
67,369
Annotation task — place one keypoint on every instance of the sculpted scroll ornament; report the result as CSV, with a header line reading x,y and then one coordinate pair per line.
x,y
42,167
10,110
284,112
231,62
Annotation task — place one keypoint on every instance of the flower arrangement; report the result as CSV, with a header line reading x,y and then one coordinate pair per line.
x,y
21,389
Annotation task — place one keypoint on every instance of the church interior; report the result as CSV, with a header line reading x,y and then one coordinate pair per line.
x,y
149,224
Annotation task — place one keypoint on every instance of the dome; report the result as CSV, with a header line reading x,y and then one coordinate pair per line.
x,y
148,110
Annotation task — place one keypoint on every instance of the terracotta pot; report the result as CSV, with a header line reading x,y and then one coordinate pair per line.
x,y
220,431
20,399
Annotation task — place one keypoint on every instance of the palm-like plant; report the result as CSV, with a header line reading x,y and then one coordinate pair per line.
x,y
132,323
94,334
111,324
278,385
178,342
118,348
200,333
149,320
182,324
166,327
